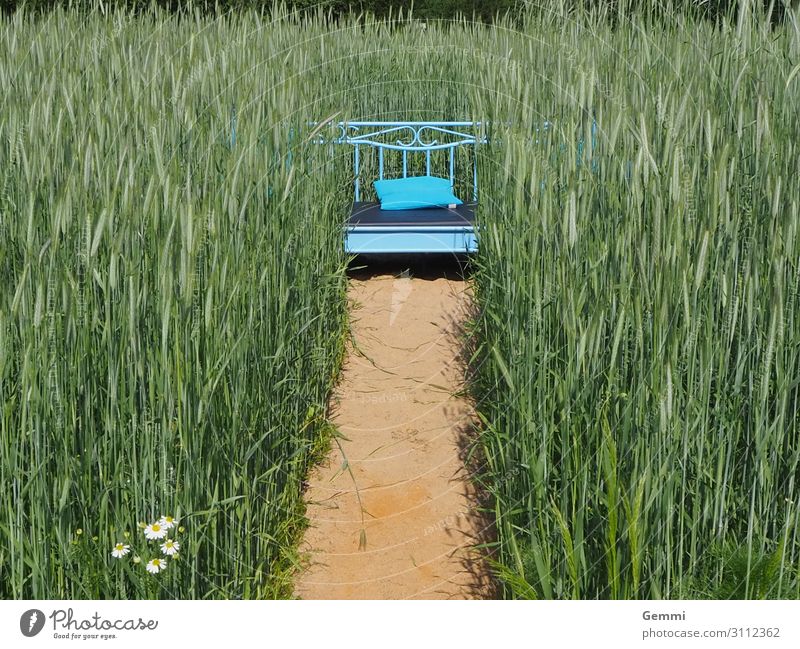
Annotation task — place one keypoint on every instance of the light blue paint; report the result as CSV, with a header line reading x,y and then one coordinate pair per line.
x,y
408,239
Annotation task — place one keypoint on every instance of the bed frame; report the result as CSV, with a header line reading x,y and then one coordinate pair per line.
x,y
370,230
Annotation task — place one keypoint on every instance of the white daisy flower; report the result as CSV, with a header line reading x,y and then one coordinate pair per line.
x,y
170,547
155,531
120,550
155,566
167,522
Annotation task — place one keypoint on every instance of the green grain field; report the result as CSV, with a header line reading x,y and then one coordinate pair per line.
x,y
173,312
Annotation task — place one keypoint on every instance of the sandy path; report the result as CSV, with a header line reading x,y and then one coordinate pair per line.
x,y
406,433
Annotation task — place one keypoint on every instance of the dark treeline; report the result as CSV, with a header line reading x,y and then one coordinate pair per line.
x,y
425,9
485,10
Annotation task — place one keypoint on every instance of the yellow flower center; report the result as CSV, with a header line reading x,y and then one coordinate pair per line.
x,y
156,527
118,546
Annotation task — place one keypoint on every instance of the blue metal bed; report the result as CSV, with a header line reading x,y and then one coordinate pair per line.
x,y
414,147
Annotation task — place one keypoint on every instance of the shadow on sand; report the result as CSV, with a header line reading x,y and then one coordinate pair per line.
x,y
428,266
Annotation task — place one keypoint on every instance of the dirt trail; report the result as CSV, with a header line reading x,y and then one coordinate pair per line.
x,y
406,431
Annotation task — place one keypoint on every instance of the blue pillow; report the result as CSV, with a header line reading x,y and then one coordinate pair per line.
x,y
415,192
410,184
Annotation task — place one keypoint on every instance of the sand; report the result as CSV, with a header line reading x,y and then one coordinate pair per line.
x,y
407,430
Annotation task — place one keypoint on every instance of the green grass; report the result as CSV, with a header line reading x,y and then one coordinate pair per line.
x,y
172,308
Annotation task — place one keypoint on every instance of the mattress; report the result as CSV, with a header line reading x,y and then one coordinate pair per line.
x,y
371,214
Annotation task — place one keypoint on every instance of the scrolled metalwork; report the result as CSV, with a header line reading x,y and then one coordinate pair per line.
x,y
408,136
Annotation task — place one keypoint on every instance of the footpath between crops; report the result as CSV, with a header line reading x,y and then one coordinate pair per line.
x,y
406,433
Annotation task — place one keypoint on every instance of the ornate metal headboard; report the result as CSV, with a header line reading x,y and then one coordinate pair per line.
x,y
411,138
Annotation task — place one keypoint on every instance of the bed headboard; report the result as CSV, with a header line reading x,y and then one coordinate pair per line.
x,y
408,139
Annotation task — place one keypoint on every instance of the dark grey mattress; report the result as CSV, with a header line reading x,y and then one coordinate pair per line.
x,y
371,214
